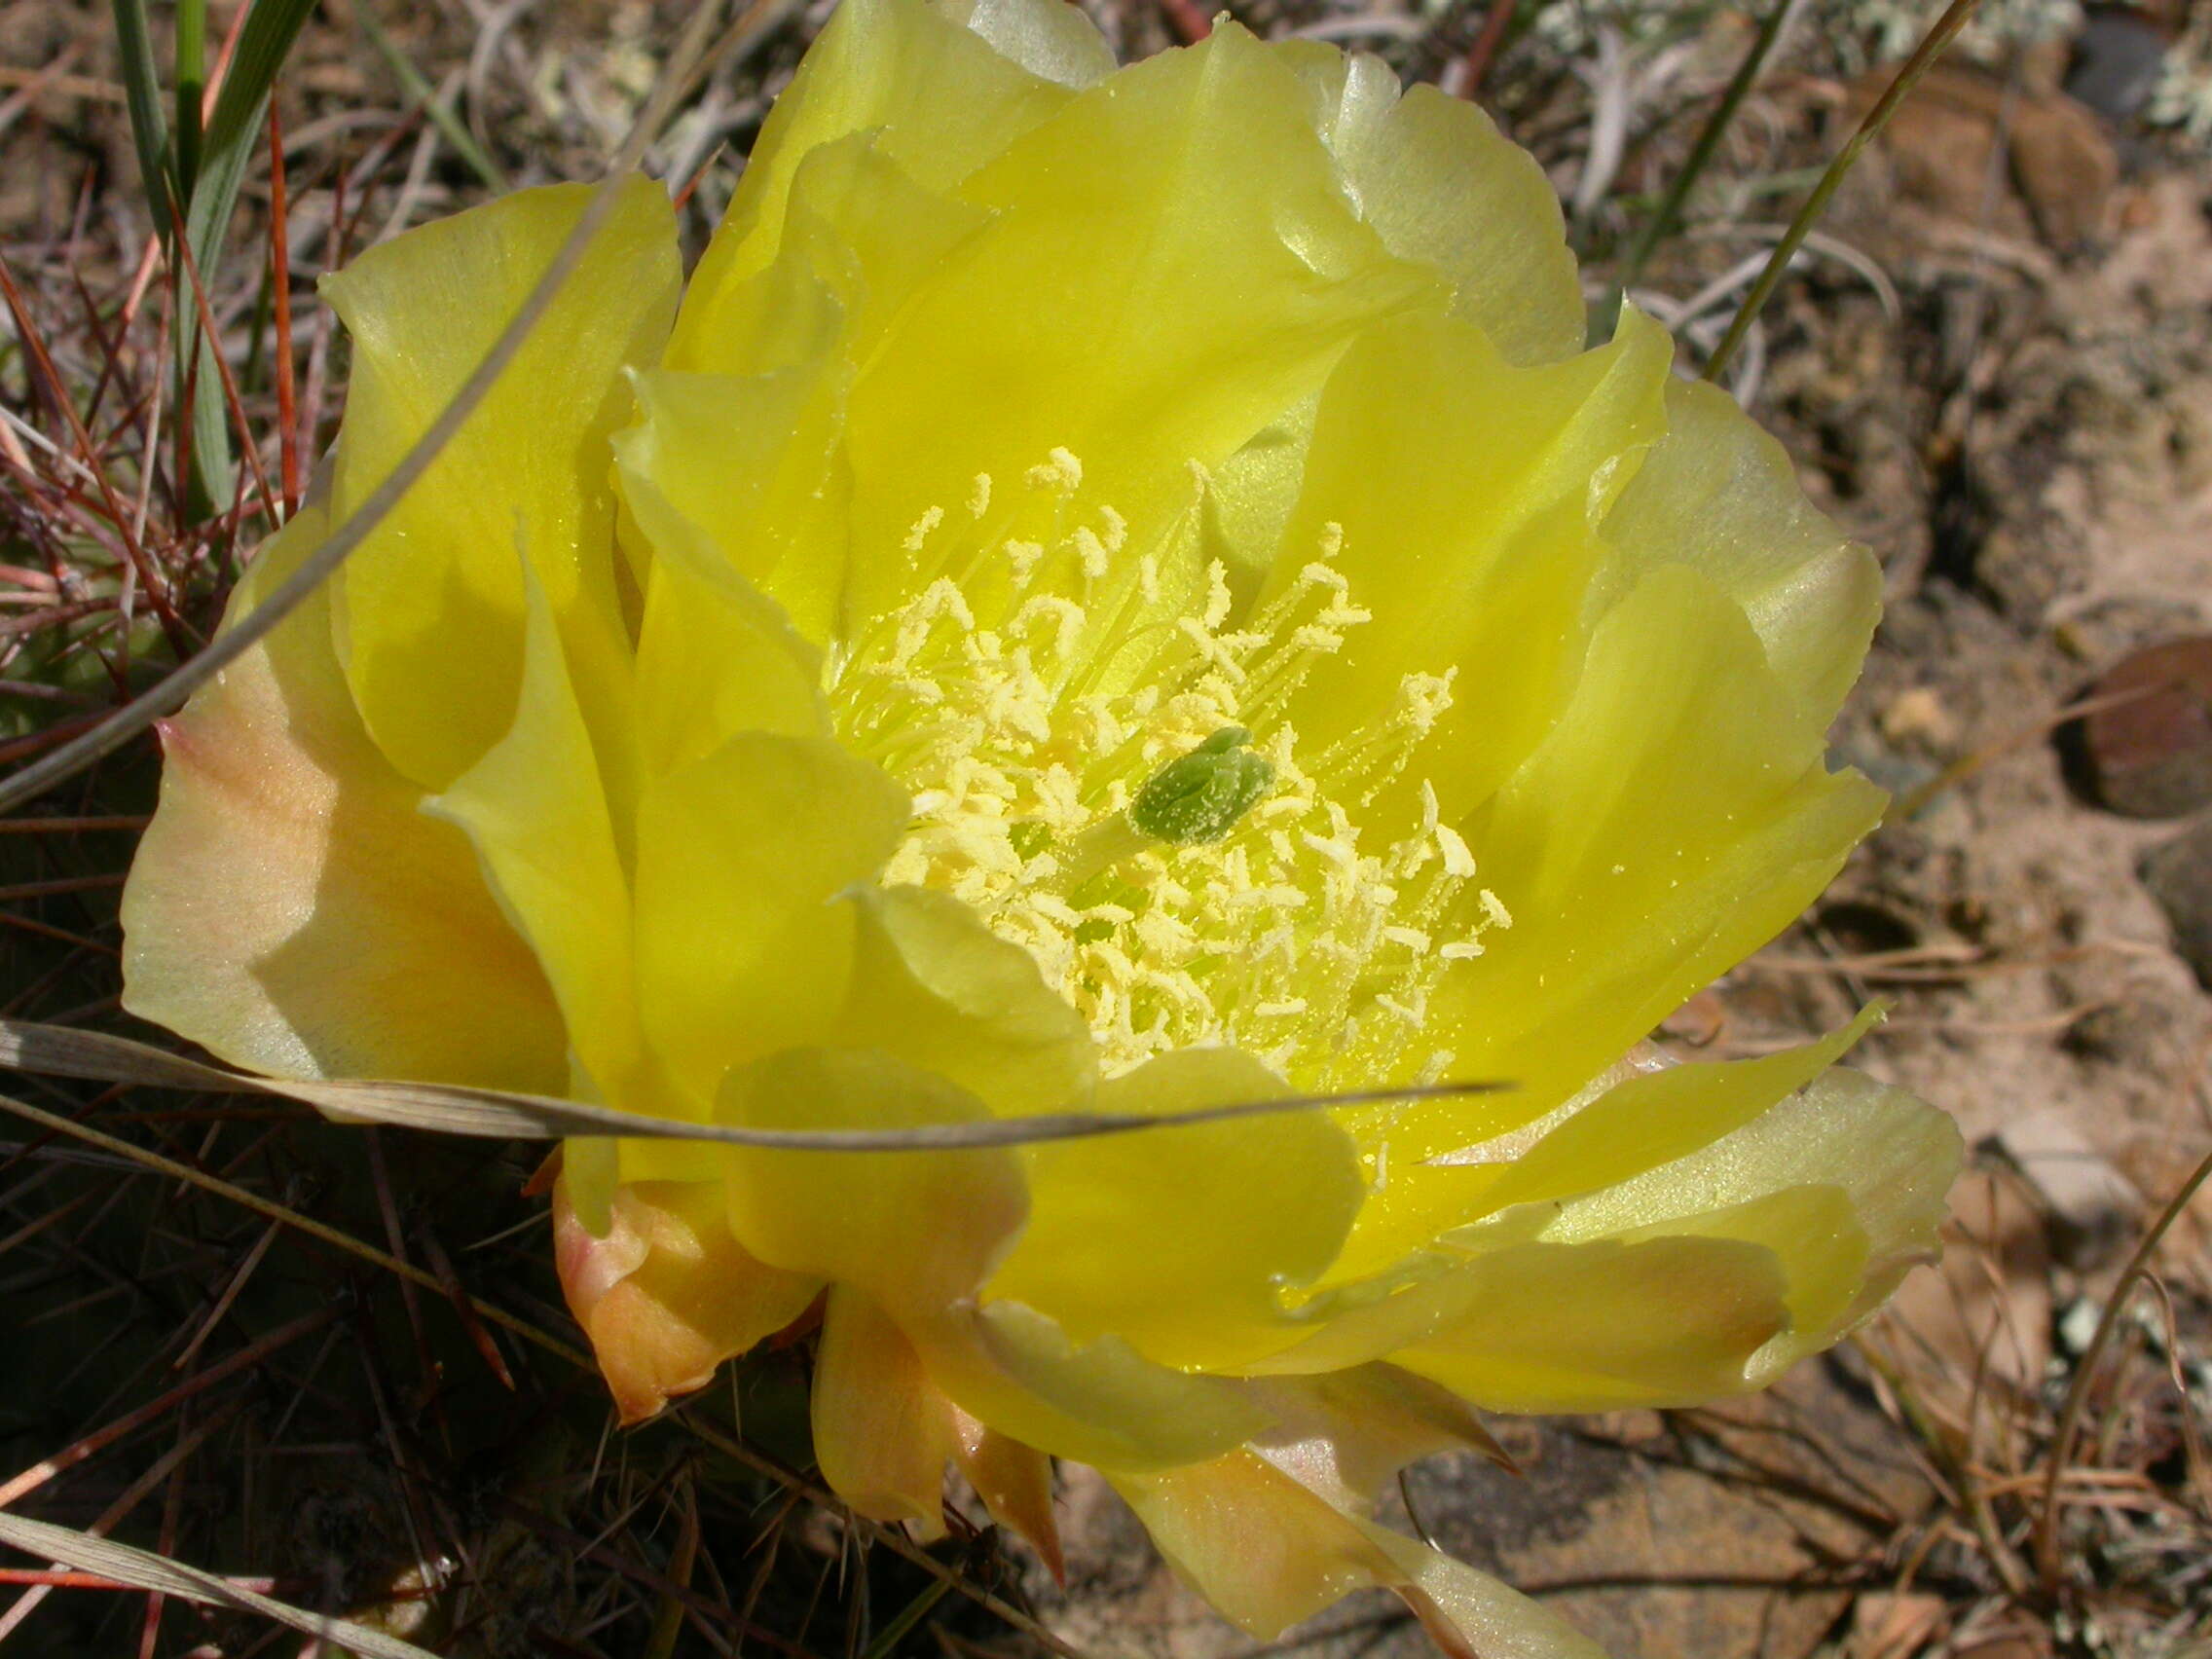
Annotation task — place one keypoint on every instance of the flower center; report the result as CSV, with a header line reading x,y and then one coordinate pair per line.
x,y
1110,776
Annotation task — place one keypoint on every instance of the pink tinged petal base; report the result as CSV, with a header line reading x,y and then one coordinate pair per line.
x,y
666,1294
290,907
1015,1483
882,1431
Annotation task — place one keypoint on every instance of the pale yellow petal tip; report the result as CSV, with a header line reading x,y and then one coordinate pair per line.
x,y
1268,1551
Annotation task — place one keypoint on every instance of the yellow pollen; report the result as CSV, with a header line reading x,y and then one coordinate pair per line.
x,y
1059,471
920,534
1313,932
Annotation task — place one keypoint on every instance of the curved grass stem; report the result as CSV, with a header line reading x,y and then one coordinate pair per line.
x,y
1668,214
2047,1552
1956,16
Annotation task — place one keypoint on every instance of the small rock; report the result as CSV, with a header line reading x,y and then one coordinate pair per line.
x,y
2093,1206
2179,876
1698,1023
2149,753
1920,716
1943,140
1889,1625
2116,62
2077,1324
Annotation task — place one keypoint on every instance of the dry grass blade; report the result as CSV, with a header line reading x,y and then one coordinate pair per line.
x,y
142,1569
56,1051
2049,1560
889,1536
1668,213
138,715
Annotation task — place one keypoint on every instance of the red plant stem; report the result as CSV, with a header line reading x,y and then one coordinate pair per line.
x,y
1484,52
157,591
1190,20
280,285
69,1456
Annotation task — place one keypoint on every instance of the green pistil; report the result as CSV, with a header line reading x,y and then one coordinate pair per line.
x,y
1200,796
1195,798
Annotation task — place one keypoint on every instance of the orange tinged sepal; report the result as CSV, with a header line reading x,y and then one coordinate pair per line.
x,y
1014,1483
667,1294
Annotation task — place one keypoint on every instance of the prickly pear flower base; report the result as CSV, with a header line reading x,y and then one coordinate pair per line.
x,y
1107,590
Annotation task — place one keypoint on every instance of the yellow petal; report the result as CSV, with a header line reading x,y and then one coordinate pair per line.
x,y
534,808
1653,1118
943,98
1170,266
664,1293
1814,1236
1669,1321
1787,1211
528,470
1434,175
743,941
860,235
1100,1403
736,476
1268,1553
1640,1123
933,986
1534,1326
1345,1433
1047,38
292,912
1225,1213
715,657
918,1231
1891,1157
1721,494
882,1431
1677,817
1468,495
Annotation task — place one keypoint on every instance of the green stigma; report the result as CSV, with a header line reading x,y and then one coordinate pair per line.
x,y
1200,796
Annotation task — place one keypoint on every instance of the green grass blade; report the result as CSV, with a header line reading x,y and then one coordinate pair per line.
x,y
1668,213
420,89
1945,29
142,91
191,89
235,125
911,1614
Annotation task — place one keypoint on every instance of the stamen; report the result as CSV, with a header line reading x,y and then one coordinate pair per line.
x,y
1177,881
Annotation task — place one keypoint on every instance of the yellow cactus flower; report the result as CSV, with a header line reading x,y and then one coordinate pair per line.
x,y
1109,590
